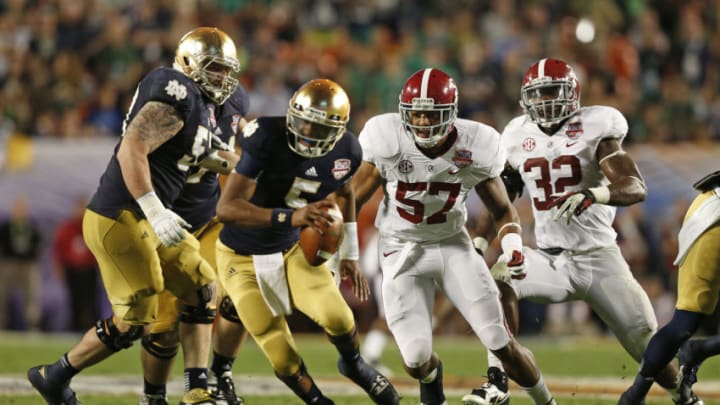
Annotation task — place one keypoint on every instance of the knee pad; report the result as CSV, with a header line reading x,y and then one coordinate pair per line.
x,y
228,311
111,337
494,337
154,345
416,353
200,313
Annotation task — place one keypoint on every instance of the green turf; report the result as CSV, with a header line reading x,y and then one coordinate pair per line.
x,y
463,357
291,400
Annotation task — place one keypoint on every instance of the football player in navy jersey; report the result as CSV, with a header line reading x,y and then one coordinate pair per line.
x,y
291,171
196,205
130,219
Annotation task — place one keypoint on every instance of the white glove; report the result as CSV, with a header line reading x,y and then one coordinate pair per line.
x,y
513,255
168,226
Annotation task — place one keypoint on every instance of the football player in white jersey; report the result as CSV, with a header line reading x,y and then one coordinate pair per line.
x,y
572,163
427,161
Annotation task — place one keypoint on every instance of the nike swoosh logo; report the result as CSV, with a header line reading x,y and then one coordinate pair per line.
x,y
386,254
569,144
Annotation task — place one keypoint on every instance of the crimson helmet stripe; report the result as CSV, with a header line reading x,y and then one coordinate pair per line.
x,y
425,82
541,68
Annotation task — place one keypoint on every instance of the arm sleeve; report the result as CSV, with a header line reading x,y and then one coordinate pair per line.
x,y
248,166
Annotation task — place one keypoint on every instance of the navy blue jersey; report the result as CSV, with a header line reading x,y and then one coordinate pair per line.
x,y
285,180
199,197
170,162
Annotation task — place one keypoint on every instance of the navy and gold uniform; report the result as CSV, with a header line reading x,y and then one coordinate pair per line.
x,y
293,168
196,205
129,218
697,297
287,180
114,227
699,272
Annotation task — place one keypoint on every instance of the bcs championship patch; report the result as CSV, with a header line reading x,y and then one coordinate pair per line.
x,y
462,158
574,129
341,168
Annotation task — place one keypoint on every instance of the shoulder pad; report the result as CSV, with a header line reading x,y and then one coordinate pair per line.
x,y
379,136
513,125
257,135
171,87
238,103
610,122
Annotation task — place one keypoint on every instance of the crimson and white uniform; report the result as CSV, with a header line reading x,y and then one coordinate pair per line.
x,y
580,260
423,243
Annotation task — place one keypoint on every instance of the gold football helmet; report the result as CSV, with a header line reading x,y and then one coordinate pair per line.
x,y
317,117
208,56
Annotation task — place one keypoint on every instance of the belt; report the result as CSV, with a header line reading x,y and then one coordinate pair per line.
x,y
554,251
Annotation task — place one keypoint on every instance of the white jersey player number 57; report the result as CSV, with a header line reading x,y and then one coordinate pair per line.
x,y
418,208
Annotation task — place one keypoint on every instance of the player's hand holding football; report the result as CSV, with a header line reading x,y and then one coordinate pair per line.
x,y
350,269
168,226
315,215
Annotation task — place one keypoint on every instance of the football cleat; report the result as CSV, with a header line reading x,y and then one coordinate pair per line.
x,y
687,375
432,393
148,399
52,393
197,396
223,389
375,384
493,392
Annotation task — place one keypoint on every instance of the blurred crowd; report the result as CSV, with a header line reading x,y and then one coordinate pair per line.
x,y
69,69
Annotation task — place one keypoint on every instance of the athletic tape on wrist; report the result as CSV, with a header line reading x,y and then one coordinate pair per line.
x,y
350,246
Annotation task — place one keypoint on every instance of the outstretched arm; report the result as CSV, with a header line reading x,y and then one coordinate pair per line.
x,y
350,248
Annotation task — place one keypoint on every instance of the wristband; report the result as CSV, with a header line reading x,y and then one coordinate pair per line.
x,y
150,205
511,242
350,247
519,228
601,194
281,218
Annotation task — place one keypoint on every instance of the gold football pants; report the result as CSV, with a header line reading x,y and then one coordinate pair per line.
x,y
312,291
129,256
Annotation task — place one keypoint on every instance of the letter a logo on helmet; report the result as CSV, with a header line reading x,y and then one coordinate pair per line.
x,y
433,93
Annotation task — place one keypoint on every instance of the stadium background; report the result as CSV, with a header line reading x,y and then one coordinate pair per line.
x,y
68,70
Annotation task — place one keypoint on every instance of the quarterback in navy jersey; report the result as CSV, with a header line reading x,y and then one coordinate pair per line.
x,y
291,172
196,205
130,219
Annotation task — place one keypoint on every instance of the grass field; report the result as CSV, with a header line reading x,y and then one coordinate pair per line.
x,y
578,370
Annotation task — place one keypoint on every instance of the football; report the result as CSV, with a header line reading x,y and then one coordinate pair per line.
x,y
318,247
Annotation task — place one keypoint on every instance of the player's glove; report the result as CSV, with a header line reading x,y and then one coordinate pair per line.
x,y
576,203
168,226
512,254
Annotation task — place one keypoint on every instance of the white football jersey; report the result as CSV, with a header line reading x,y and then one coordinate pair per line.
x,y
425,196
552,165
